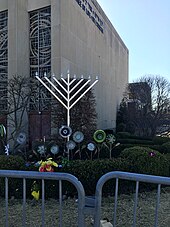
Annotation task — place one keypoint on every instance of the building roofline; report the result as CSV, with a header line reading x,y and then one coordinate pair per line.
x,y
103,14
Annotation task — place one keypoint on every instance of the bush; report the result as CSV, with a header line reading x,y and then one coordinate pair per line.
x,y
11,162
166,147
116,151
134,141
146,161
156,147
127,135
123,135
168,157
89,172
140,137
160,140
120,127
133,159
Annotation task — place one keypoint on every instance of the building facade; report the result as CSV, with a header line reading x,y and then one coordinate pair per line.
x,y
55,36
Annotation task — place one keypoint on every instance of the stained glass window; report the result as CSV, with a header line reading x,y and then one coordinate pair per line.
x,y
40,54
3,59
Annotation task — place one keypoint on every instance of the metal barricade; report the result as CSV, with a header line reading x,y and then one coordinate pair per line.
x,y
86,205
130,177
45,176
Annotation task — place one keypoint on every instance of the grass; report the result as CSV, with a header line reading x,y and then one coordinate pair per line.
x,y
145,211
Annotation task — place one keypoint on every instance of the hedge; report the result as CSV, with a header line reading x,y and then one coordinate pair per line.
x,y
166,147
134,141
160,140
136,159
147,161
127,135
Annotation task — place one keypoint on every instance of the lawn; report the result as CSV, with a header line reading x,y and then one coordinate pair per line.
x,y
145,211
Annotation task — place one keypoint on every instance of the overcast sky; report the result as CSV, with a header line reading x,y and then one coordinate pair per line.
x,y
144,26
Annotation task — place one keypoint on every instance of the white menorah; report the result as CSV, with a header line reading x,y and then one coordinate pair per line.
x,y
67,92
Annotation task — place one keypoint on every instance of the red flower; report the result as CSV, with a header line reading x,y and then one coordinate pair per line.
x,y
42,169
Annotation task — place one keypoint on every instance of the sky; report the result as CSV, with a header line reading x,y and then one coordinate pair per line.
x,y
144,26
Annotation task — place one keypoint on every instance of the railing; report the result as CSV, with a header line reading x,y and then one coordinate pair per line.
x,y
85,205
45,176
131,177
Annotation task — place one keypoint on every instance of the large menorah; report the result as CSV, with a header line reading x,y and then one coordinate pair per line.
x,y
67,92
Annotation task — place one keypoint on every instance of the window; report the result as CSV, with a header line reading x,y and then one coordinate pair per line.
x,y
40,54
3,59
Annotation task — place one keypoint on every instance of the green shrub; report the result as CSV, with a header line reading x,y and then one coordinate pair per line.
x,y
168,157
140,137
156,147
127,135
123,135
146,161
10,162
116,151
160,140
14,162
166,147
134,141
121,127
89,172
133,159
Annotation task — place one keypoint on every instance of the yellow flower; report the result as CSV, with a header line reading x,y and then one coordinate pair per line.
x,y
36,194
54,164
46,166
49,168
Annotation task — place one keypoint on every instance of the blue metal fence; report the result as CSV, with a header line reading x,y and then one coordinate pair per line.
x,y
130,177
60,177
86,205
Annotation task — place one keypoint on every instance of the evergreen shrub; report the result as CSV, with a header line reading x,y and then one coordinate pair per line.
x,y
89,172
134,141
168,158
123,135
127,135
116,151
140,137
166,147
146,161
133,159
160,140
156,147
11,162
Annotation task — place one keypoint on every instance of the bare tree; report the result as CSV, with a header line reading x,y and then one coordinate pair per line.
x,y
148,104
17,96
160,101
